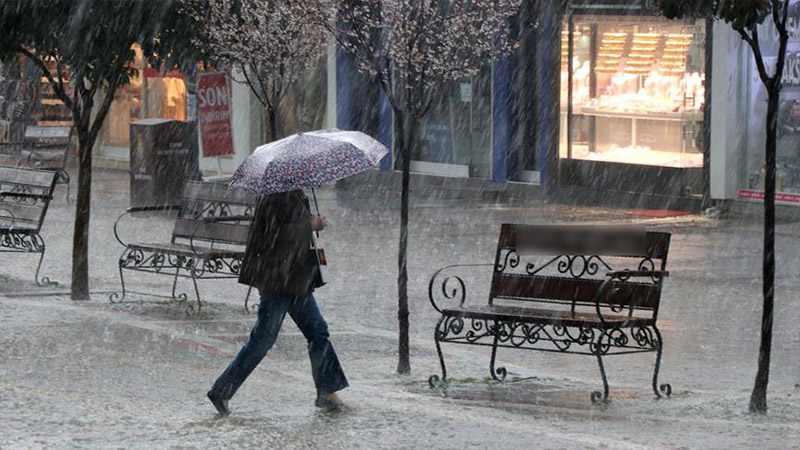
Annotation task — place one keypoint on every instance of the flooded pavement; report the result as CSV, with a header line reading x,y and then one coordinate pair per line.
x,y
89,375
134,375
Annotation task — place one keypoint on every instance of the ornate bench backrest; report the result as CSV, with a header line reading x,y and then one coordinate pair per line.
x,y
207,200
565,266
24,197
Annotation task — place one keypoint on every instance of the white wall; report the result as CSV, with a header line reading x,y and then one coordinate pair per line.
x,y
729,111
330,116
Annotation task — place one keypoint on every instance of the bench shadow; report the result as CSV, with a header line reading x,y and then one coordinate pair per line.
x,y
525,393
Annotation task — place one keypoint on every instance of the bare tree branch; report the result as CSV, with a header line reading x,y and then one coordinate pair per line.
x,y
784,39
118,72
270,40
252,86
57,87
754,45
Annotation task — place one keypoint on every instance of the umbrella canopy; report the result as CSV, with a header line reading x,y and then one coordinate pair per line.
x,y
307,160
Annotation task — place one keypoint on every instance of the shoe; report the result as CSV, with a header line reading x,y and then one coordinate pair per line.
x,y
220,403
330,402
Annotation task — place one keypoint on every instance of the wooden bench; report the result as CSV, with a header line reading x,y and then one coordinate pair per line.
x,y
555,290
25,195
47,148
208,239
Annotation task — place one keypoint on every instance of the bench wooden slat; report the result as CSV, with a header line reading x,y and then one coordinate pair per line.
x,y
187,250
639,295
216,192
549,316
222,232
656,243
18,176
22,212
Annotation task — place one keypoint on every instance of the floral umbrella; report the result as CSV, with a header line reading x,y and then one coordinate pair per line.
x,y
307,160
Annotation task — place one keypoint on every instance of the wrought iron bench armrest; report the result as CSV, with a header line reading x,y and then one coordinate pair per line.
x,y
657,276
459,289
152,208
27,195
135,209
626,274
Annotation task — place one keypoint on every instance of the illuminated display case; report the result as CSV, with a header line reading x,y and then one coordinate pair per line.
x,y
50,110
632,93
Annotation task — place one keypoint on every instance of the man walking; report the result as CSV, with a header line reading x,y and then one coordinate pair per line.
x,y
281,264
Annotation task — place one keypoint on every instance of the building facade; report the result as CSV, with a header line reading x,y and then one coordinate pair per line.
x,y
601,97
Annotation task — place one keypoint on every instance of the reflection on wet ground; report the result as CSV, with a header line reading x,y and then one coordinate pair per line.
x,y
93,374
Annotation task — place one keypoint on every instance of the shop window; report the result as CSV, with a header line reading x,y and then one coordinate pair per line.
x,y
22,89
457,128
166,95
788,145
150,94
304,106
634,92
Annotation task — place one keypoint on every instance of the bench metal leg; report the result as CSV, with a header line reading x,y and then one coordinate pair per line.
x,y
196,290
434,380
117,297
665,388
44,281
175,283
597,396
499,373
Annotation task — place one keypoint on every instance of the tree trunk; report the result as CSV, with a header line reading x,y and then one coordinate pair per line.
x,y
79,288
273,124
758,399
193,169
269,125
405,125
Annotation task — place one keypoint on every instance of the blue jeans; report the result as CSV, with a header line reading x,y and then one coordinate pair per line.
x,y
325,367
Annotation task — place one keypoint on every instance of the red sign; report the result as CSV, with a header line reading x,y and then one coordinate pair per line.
x,y
779,196
214,114
153,73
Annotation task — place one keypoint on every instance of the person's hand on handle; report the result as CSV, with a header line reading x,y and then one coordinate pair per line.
x,y
318,222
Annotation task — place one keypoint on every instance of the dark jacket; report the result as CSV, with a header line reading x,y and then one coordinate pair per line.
x,y
278,258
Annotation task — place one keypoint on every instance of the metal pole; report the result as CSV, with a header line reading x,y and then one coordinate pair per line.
x,y
570,74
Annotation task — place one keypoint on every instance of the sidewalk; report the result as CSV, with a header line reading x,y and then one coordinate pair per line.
x,y
92,374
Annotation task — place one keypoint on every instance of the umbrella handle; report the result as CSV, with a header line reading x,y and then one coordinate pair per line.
x,y
316,205
314,194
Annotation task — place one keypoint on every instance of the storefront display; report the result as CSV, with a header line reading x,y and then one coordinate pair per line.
x,y
14,100
634,93
455,134
51,111
300,108
788,147
27,99
149,94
